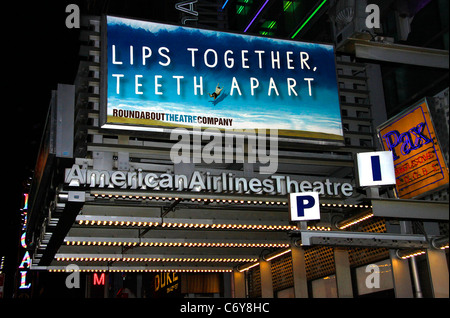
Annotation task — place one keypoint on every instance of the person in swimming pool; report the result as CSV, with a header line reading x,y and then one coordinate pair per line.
x,y
216,92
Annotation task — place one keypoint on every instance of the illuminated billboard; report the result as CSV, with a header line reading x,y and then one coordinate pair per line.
x,y
158,76
418,160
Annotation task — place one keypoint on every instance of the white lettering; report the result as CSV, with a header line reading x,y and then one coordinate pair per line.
x,y
160,51
373,279
229,61
146,53
118,76
114,61
137,84
373,19
73,279
205,57
276,184
192,50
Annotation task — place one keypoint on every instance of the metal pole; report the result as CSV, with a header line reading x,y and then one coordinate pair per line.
x,y
415,276
266,279
303,225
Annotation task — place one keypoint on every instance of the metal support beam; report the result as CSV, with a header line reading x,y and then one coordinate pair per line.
x,y
401,277
403,54
266,279
71,210
439,277
343,275
416,279
410,209
170,208
239,284
299,272
361,239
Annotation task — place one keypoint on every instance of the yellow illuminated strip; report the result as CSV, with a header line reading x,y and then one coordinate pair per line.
x,y
232,226
246,268
359,220
175,244
278,254
199,225
194,199
92,270
117,223
413,254
155,259
219,200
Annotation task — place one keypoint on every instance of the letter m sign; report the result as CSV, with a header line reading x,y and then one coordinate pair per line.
x,y
99,280
304,206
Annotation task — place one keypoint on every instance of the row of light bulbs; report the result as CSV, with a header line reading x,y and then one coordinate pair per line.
x,y
200,225
163,198
232,226
341,205
117,223
156,259
189,225
94,270
413,254
175,244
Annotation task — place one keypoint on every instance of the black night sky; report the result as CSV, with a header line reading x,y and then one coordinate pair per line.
x,y
40,53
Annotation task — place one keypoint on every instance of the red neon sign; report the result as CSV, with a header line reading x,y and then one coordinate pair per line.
x,y
99,280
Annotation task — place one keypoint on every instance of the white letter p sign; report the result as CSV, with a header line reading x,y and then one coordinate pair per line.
x,y
304,206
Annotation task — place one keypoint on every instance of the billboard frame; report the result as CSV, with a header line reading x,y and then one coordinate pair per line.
x,y
103,124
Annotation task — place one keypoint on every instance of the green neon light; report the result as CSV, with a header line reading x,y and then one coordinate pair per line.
x,y
307,20
269,25
241,8
287,5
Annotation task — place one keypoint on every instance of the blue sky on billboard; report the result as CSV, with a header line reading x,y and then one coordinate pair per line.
x,y
266,83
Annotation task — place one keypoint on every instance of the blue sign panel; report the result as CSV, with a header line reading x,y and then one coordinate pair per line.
x,y
164,76
376,168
